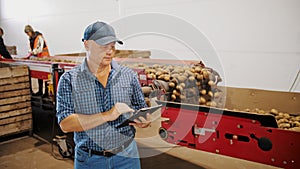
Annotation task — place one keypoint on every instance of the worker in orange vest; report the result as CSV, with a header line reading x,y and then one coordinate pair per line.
x,y
38,48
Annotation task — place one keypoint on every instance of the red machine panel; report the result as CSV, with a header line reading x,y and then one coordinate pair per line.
x,y
237,134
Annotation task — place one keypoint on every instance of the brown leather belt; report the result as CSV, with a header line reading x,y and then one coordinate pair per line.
x,y
108,153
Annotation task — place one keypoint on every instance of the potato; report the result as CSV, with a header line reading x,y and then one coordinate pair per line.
x,y
191,78
167,78
274,111
176,93
198,69
285,115
203,92
296,123
160,77
284,125
217,94
182,85
202,100
280,115
205,74
211,83
210,94
189,73
211,103
181,78
182,97
295,129
199,77
173,97
171,84
282,121
179,88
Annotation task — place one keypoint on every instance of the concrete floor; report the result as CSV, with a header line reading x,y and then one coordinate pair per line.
x,y
28,152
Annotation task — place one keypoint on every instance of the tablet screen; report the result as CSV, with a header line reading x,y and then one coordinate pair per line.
x,y
141,112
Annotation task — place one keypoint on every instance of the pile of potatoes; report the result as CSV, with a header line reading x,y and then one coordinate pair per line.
x,y
197,84
193,84
284,120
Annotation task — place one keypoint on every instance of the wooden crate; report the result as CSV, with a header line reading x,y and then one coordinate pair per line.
x,y
132,54
12,50
15,99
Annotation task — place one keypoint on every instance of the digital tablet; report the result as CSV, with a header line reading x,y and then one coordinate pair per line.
x,y
141,112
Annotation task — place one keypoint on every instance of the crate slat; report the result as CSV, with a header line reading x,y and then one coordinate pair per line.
x,y
15,100
25,85
15,93
16,127
14,119
13,71
13,80
5,108
15,112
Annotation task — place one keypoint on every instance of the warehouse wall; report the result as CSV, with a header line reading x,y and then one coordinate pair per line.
x,y
257,42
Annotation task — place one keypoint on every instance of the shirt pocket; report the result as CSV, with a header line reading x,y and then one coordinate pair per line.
x,y
84,101
122,94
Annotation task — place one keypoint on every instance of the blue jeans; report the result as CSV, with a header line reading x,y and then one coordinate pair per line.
x,y
127,159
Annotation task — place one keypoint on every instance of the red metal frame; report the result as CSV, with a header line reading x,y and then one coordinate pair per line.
x,y
230,133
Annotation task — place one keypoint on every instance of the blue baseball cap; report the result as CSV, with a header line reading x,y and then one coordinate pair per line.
x,y
101,33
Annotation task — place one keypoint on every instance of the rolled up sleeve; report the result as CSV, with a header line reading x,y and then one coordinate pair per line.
x,y
64,101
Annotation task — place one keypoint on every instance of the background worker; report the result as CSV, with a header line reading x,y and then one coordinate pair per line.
x,y
3,51
37,48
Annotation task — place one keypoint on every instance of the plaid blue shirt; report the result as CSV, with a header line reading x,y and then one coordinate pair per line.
x,y
79,91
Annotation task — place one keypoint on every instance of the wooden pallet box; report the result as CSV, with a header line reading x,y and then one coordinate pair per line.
x,y
15,99
12,50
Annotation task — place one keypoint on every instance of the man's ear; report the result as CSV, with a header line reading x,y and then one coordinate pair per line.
x,y
86,44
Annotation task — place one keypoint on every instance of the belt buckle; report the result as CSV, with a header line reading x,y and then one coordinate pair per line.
x,y
107,153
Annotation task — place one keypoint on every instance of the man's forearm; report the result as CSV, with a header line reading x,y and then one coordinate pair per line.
x,y
82,122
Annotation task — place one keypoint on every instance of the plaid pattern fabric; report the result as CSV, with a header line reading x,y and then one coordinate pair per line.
x,y
80,92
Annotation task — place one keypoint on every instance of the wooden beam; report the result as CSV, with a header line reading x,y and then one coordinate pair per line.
x,y
16,127
15,100
15,93
25,85
15,119
4,108
13,80
13,71
15,112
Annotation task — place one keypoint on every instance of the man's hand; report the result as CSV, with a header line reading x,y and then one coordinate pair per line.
x,y
117,110
34,52
142,122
